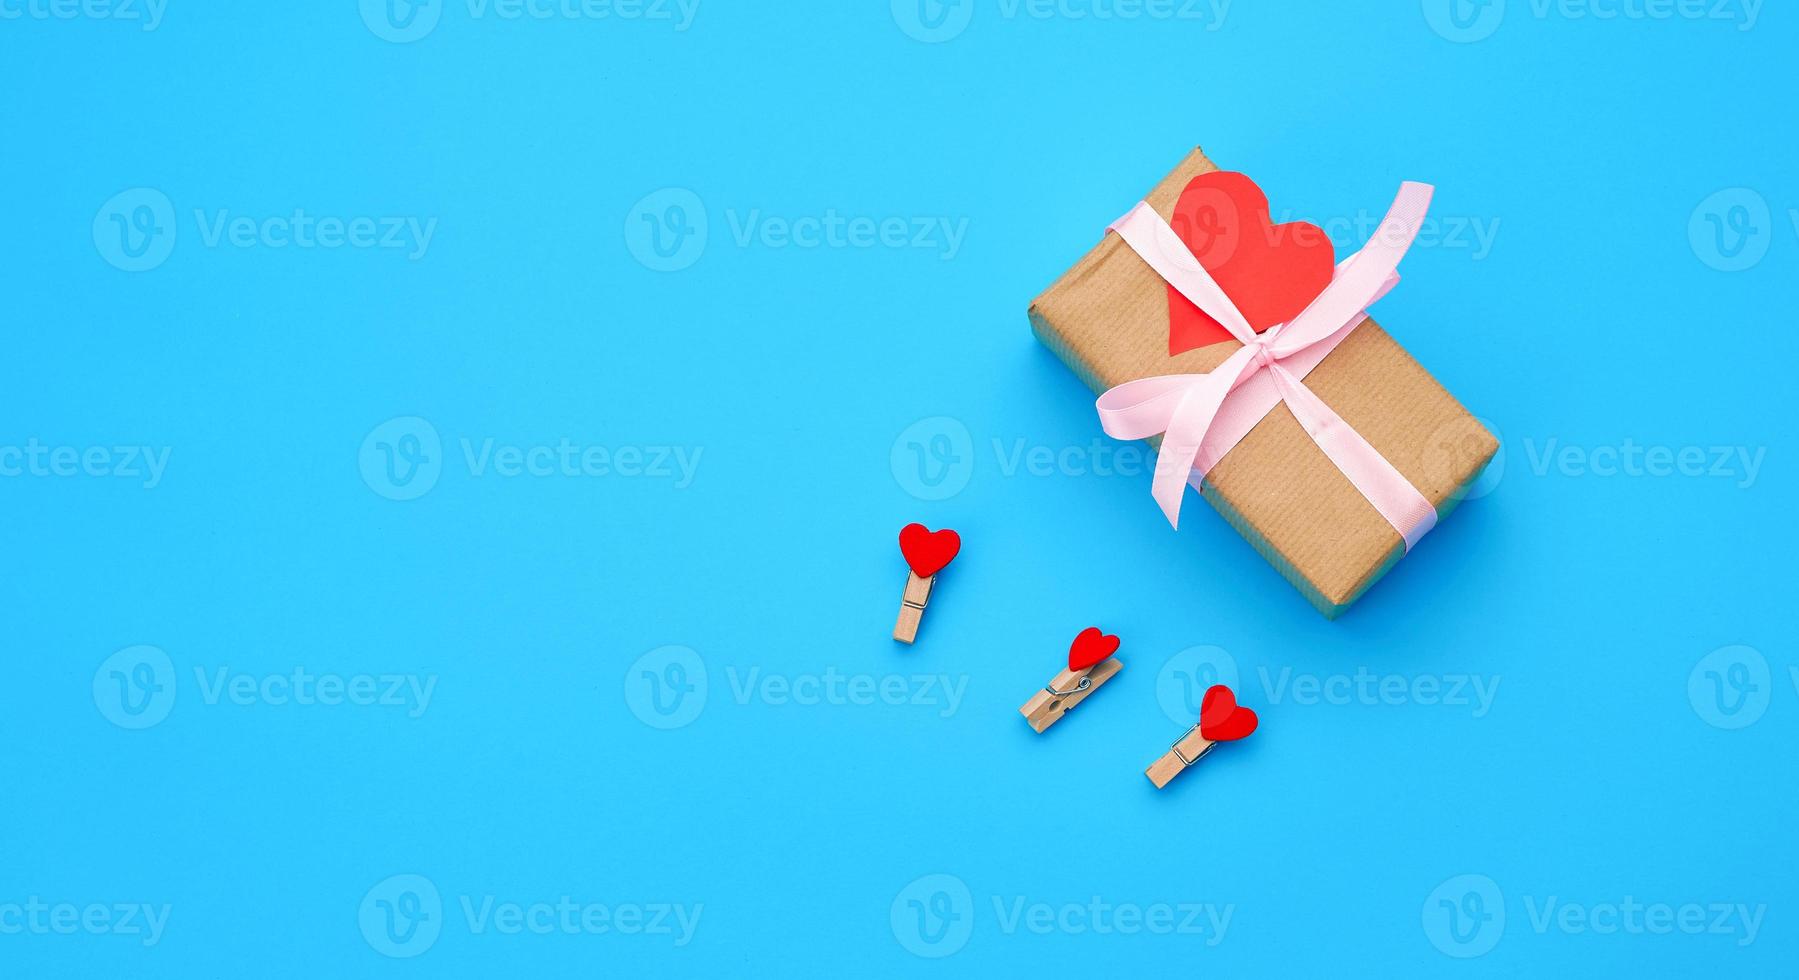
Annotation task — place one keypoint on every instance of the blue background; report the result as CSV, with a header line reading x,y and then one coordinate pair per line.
x,y
1588,146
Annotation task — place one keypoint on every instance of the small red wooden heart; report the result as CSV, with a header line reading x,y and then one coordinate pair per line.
x,y
1090,648
1271,272
928,551
1220,719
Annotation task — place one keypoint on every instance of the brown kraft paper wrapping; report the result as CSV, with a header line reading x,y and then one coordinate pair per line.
x,y
1107,319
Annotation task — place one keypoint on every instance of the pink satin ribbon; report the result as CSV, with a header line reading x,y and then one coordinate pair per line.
x,y
1201,417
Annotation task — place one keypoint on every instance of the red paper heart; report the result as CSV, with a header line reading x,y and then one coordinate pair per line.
x,y
1090,648
1220,719
928,551
1271,272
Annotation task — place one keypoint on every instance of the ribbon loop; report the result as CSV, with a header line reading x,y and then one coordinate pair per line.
x,y
1202,416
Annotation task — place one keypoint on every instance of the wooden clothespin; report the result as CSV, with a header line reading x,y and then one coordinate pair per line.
x,y
1220,720
1090,664
927,552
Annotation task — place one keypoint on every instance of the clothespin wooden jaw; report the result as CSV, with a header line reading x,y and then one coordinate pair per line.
x,y
1065,690
1190,749
1090,664
912,603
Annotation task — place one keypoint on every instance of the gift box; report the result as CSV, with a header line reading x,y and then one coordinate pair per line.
x,y
1329,448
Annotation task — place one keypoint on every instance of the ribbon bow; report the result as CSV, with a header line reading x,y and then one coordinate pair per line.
x,y
1201,417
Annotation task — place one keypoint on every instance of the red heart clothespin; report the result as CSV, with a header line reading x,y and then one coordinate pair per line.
x,y
1090,664
1090,647
1271,272
927,552
1221,719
